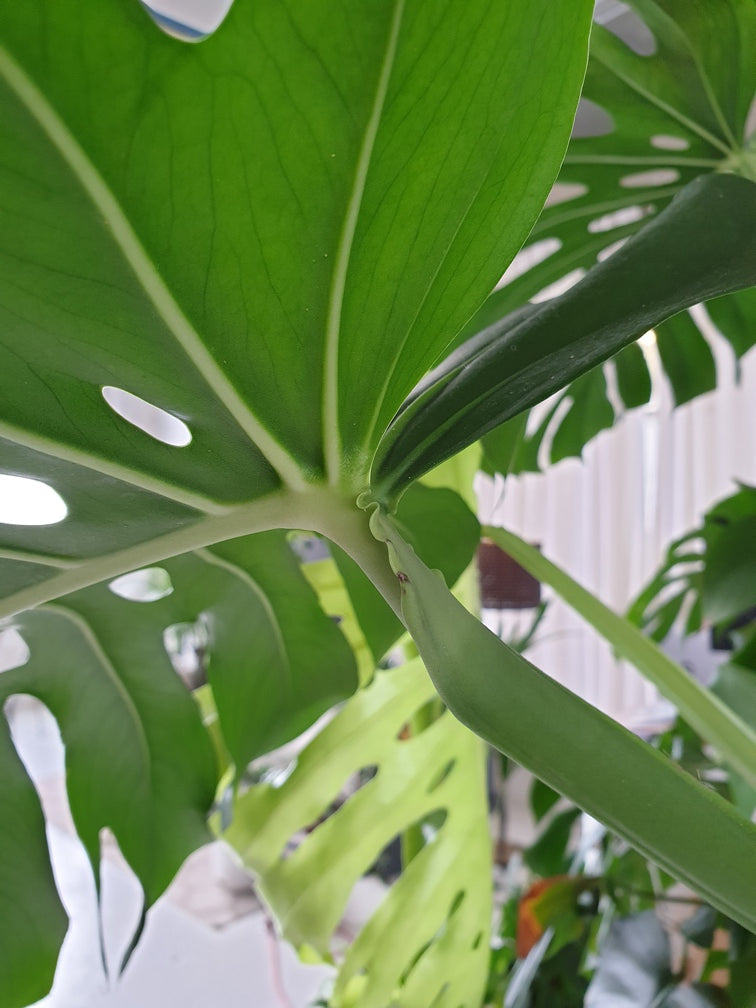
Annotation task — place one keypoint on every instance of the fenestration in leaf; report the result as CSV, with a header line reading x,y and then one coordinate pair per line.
x,y
658,111
703,245
269,236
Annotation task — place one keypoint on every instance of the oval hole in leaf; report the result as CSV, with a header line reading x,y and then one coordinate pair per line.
x,y
559,286
14,651
669,143
656,177
153,420
618,218
146,585
623,22
528,258
610,249
439,780
420,721
186,645
188,20
25,501
563,192
591,120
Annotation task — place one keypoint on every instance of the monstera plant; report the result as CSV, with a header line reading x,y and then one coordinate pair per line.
x,y
279,240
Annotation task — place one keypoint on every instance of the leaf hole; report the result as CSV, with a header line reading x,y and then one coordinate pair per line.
x,y
419,722
157,422
14,651
559,286
563,192
622,21
188,20
308,548
439,779
668,142
619,218
146,585
656,177
186,645
477,940
528,258
591,120
605,253
25,501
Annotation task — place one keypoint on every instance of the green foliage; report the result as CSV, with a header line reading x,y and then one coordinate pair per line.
x,y
272,237
439,908
653,121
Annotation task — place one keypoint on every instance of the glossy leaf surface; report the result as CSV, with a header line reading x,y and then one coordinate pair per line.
x,y
666,99
599,765
428,940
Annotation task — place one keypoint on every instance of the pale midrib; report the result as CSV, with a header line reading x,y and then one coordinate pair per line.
x,y
114,470
283,509
241,575
43,559
154,287
102,658
332,446
656,161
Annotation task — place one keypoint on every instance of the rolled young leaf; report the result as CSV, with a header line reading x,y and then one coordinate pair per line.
x,y
703,245
636,791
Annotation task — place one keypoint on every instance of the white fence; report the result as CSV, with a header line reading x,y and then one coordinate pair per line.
x,y
609,518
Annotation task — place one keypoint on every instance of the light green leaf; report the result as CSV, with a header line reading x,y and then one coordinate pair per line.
x,y
603,768
429,937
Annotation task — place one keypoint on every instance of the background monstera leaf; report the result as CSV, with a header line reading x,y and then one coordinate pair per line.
x,y
428,941
264,240
672,104
651,123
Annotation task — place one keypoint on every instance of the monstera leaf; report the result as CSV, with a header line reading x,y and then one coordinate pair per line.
x,y
657,113
428,941
261,243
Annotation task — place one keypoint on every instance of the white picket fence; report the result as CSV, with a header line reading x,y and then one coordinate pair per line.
x,y
609,518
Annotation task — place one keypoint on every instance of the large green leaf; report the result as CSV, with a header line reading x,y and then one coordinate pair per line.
x,y
427,943
137,757
702,245
668,815
269,237
652,122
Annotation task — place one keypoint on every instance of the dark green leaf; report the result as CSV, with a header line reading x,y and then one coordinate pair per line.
x,y
677,111
36,922
682,256
548,855
729,580
542,798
